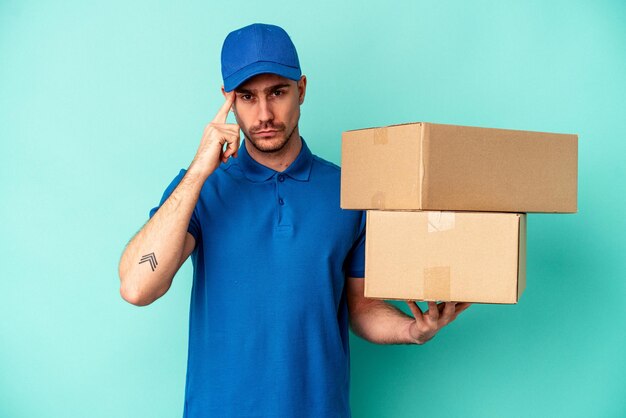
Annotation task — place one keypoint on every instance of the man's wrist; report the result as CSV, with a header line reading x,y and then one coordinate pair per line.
x,y
197,175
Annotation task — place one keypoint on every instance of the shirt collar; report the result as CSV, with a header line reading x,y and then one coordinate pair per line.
x,y
299,169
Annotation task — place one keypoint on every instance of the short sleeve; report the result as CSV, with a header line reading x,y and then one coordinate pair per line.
x,y
355,262
194,223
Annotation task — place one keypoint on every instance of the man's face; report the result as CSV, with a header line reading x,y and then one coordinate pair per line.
x,y
267,109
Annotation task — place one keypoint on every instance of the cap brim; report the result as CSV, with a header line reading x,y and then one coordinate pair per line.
x,y
262,67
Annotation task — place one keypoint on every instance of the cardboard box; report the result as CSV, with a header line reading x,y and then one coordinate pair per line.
x,y
445,256
425,166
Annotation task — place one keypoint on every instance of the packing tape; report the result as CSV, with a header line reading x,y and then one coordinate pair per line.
x,y
437,283
378,200
440,221
380,136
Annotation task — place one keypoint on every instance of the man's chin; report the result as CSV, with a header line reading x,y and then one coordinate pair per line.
x,y
269,145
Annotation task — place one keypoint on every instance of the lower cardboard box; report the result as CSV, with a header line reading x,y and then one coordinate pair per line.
x,y
445,256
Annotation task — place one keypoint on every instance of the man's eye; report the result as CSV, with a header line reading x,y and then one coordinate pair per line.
x,y
246,96
278,92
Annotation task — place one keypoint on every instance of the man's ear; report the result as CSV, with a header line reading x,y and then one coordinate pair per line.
x,y
301,88
223,91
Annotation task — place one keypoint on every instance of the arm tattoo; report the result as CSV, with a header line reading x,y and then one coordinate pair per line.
x,y
149,258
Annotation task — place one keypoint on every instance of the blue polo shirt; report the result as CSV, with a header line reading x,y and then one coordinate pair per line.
x,y
268,326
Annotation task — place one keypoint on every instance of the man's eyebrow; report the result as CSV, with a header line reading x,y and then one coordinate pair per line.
x,y
276,87
266,90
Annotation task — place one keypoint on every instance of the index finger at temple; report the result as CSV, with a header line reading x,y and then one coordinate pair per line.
x,y
222,114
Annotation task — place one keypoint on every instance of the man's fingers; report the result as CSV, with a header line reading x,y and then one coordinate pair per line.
x,y
417,312
222,114
433,311
460,307
449,310
231,149
231,129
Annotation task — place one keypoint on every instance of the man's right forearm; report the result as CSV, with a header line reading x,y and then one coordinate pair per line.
x,y
154,255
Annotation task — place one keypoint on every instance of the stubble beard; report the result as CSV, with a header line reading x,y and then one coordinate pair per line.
x,y
271,148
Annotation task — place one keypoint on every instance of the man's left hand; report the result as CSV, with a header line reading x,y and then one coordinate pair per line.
x,y
428,323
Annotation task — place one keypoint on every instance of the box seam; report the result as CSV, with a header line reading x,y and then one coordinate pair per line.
x,y
367,251
421,166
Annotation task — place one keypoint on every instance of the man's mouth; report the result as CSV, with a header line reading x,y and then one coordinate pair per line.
x,y
267,133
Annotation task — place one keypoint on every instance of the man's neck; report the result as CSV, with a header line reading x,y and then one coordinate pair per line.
x,y
280,160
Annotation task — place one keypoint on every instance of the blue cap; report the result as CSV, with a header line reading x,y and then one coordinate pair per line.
x,y
258,49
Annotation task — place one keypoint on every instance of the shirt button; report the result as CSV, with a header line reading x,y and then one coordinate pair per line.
x,y
281,201
281,177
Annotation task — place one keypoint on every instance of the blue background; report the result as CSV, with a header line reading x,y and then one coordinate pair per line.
x,y
101,104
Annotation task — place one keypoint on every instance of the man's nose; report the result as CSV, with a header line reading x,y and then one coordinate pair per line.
x,y
265,111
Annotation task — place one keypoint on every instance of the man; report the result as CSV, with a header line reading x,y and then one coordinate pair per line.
x,y
278,266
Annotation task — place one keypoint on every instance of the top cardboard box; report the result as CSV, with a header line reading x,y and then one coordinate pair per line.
x,y
426,166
